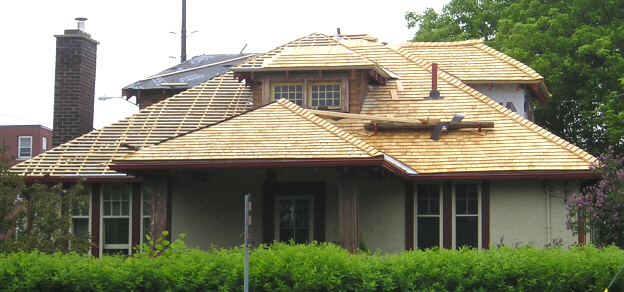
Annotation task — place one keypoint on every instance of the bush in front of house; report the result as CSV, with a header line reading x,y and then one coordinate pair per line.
x,y
323,267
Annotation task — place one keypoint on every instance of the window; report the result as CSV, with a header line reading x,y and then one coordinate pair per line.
x,y
25,147
467,219
81,223
146,213
428,216
116,219
294,216
329,91
44,144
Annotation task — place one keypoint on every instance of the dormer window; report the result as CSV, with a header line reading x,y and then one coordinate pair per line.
x,y
322,91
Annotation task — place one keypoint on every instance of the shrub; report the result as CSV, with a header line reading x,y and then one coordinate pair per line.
x,y
319,267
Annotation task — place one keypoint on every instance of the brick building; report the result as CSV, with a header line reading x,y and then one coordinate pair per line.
x,y
25,141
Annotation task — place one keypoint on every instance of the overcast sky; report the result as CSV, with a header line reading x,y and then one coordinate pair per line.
x,y
135,40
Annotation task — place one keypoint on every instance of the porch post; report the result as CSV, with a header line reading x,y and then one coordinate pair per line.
x,y
161,206
348,208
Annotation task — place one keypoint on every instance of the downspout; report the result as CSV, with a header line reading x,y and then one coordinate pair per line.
x,y
548,212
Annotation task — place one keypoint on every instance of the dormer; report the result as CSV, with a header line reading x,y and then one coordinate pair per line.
x,y
314,72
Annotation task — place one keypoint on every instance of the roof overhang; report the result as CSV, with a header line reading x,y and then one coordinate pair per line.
x,y
503,175
76,178
256,163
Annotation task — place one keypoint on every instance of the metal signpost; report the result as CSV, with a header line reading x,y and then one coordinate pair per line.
x,y
247,239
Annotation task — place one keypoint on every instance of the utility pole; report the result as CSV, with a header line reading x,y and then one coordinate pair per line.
x,y
183,55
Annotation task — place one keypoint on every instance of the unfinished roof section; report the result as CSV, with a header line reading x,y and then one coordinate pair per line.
x,y
190,73
91,154
474,63
276,132
314,52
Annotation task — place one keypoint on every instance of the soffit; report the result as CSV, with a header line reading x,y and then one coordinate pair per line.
x,y
91,154
280,130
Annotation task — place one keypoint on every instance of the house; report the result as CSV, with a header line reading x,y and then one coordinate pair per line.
x,y
338,138
25,141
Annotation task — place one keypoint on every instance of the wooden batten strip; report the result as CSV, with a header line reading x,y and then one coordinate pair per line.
x,y
331,114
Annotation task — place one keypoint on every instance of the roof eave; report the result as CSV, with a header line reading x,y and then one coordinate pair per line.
x,y
579,174
255,163
77,178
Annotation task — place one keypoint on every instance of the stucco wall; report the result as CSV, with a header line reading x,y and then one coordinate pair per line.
x,y
519,212
212,211
503,93
382,214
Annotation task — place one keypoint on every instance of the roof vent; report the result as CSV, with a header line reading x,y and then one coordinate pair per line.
x,y
434,93
81,24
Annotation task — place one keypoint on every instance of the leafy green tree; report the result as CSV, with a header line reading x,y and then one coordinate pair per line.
x,y
37,216
576,45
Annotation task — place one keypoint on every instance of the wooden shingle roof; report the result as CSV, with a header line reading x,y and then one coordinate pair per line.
x,y
214,121
515,144
91,154
277,131
473,62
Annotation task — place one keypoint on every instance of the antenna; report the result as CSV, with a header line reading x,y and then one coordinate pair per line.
x,y
183,54
241,52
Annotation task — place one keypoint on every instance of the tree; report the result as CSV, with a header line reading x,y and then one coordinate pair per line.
x,y
599,208
576,45
37,216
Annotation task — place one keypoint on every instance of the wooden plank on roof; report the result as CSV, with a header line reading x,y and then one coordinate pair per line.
x,y
331,114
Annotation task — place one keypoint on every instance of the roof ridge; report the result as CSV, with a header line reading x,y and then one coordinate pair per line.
x,y
446,44
517,118
329,127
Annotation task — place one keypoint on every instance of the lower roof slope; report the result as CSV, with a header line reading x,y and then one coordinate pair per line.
x,y
278,131
91,154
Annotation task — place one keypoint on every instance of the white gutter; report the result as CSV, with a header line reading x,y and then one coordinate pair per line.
x,y
399,164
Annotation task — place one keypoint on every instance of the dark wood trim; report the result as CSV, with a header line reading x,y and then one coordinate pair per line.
x,y
409,215
95,219
492,176
256,163
161,211
136,216
485,215
447,214
73,179
272,189
348,209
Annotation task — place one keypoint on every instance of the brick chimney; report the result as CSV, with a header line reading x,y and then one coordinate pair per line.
x,y
74,84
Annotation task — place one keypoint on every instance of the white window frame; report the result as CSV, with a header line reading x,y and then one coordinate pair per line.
x,y
103,217
440,216
479,215
44,144
276,220
306,81
20,146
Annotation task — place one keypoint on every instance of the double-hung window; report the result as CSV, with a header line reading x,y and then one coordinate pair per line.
x,y
44,144
328,92
294,218
25,147
467,215
428,223
116,214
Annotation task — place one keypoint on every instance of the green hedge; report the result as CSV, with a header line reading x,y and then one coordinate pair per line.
x,y
323,267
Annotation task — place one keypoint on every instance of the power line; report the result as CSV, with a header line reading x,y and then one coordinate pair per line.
x,y
36,122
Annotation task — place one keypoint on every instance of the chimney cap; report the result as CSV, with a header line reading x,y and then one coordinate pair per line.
x,y
81,19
